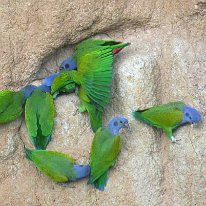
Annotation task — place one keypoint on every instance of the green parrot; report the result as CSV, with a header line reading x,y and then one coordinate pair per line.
x,y
39,116
92,79
11,105
168,117
105,148
57,166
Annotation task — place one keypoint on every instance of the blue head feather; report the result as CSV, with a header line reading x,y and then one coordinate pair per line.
x,y
44,88
47,81
116,124
27,90
190,115
81,171
68,64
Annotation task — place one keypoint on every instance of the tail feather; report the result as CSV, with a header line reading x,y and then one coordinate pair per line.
x,y
138,116
118,47
28,153
100,183
95,117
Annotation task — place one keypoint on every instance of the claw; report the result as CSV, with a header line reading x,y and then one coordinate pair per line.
x,y
173,140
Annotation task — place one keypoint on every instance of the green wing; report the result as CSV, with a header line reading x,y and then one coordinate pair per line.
x,y
104,151
63,83
95,76
162,116
57,166
92,43
95,116
39,116
11,105
88,45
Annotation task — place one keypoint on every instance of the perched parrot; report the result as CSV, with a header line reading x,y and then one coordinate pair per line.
x,y
11,105
47,81
69,88
168,117
39,114
58,166
104,151
92,79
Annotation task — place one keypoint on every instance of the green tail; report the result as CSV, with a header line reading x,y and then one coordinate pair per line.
x,y
100,183
138,116
120,45
95,117
116,48
40,141
28,153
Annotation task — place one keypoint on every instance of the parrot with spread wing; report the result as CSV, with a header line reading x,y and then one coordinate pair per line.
x,y
105,148
39,114
87,46
92,79
168,117
57,166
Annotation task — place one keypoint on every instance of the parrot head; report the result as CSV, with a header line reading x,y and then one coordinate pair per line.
x,y
81,171
44,88
27,90
191,115
68,64
47,81
117,123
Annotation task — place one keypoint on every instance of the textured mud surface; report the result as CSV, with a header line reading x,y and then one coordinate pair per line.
x,y
165,62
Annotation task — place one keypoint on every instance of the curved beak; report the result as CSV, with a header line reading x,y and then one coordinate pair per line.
x,y
126,125
193,124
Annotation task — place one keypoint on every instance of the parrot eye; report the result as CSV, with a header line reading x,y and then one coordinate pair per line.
x,y
120,121
187,114
67,66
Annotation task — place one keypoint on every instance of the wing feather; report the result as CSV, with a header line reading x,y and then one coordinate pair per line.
x,y
166,115
11,105
39,116
104,152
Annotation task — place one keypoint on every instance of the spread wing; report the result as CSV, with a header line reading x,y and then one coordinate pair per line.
x,y
94,75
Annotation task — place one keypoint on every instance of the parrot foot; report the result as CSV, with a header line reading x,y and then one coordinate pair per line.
x,y
114,164
173,140
75,112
